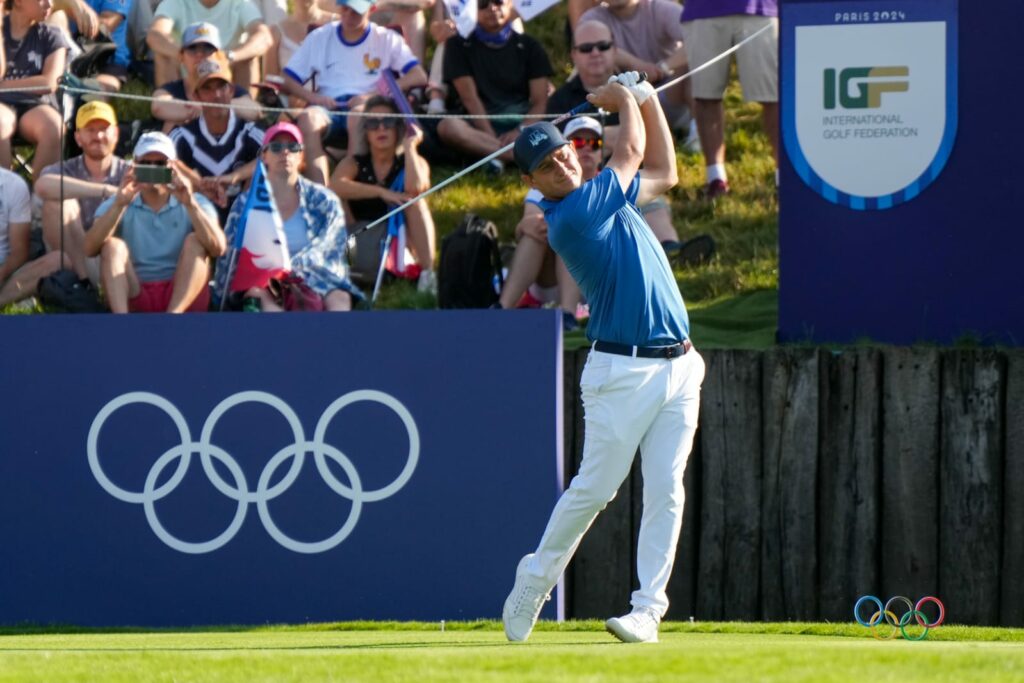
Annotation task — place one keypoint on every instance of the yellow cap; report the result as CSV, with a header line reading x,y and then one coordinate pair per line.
x,y
91,111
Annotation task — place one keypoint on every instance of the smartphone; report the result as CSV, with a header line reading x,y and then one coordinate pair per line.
x,y
156,175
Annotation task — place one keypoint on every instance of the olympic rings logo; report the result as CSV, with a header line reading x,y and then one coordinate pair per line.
x,y
899,623
239,490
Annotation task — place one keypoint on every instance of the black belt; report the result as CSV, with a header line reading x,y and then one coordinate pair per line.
x,y
673,351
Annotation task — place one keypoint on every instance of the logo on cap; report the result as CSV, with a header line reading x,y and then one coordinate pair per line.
x,y
537,137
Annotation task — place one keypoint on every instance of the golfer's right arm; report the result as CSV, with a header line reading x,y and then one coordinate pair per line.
x,y
628,153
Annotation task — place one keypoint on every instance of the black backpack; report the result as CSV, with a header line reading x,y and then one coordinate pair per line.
x,y
470,261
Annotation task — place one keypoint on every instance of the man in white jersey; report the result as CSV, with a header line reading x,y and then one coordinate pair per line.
x,y
641,384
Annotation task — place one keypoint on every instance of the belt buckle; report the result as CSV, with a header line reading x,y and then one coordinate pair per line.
x,y
674,351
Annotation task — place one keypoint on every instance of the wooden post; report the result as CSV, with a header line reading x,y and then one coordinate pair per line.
x,y
971,514
570,400
910,472
730,530
789,571
850,482
1012,613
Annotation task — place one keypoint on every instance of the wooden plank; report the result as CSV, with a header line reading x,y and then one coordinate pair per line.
x,y
1012,613
971,476
730,531
910,472
850,480
789,586
603,571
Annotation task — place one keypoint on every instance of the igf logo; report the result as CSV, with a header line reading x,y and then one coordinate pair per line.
x,y
868,90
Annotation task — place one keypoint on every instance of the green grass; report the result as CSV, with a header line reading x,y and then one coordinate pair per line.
x,y
477,651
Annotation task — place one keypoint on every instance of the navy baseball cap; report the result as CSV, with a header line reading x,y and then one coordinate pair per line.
x,y
534,143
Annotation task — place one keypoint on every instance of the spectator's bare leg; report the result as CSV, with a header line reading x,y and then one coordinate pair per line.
x,y
74,234
313,122
660,221
338,300
120,283
246,73
109,83
8,124
460,134
568,290
711,126
190,276
41,126
165,69
422,236
25,280
770,120
526,267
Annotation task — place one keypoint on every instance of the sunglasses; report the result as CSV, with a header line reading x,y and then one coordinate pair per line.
x,y
483,4
593,143
374,123
602,46
278,147
152,162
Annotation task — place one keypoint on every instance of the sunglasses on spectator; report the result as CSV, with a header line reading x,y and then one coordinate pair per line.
x,y
593,143
482,4
278,147
602,45
374,123
152,162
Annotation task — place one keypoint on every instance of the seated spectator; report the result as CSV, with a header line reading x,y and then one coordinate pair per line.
x,y
101,21
712,28
495,71
35,55
649,39
218,150
406,16
199,42
19,277
289,33
314,225
538,276
367,181
233,19
155,240
347,57
88,179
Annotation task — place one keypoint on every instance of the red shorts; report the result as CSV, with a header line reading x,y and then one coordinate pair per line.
x,y
154,297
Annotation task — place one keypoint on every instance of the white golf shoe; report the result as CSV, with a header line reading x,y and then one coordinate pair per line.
x,y
639,626
523,604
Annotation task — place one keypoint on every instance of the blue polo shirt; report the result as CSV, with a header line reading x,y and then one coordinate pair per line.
x,y
155,238
617,262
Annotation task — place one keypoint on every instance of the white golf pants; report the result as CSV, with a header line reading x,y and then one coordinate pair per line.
x,y
628,402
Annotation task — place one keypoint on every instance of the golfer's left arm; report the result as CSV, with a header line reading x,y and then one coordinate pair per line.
x,y
659,173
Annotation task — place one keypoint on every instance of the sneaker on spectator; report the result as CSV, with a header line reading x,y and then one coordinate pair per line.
x,y
639,626
495,167
695,252
427,282
523,605
716,188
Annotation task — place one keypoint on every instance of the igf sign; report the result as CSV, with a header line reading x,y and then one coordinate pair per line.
x,y
870,112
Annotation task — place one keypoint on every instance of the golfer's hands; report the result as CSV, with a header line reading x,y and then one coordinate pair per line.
x,y
610,97
636,84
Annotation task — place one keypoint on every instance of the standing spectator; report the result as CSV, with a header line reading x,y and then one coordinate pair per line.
x,y
199,42
35,55
366,181
495,71
88,179
154,240
314,225
649,39
346,57
306,17
218,150
712,27
233,19
19,277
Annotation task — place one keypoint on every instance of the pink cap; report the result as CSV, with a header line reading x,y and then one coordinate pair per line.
x,y
285,128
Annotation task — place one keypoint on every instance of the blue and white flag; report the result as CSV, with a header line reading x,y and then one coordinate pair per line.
x,y
463,13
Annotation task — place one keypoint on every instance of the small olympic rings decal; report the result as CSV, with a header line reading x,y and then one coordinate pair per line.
x,y
238,490
887,615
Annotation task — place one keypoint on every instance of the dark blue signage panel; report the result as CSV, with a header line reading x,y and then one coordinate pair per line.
x,y
898,209
163,470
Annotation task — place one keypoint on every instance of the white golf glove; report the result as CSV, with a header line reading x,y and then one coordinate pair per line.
x,y
634,83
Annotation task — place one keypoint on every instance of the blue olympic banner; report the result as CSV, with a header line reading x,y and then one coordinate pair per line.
x,y
898,219
178,470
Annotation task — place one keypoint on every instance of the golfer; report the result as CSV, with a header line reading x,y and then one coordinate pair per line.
x,y
641,384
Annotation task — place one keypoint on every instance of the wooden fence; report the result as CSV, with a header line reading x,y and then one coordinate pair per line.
x,y
820,476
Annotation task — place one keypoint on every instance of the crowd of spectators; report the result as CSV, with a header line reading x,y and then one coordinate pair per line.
x,y
154,233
